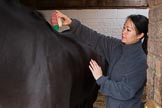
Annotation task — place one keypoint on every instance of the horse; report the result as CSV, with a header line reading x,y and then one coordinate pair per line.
x,y
40,67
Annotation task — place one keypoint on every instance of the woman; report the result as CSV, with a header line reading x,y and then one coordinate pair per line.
x,y
126,60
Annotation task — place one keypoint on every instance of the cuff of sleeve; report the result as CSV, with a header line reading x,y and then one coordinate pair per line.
x,y
101,80
74,23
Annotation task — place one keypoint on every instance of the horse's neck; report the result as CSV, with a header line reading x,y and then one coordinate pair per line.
x,y
9,2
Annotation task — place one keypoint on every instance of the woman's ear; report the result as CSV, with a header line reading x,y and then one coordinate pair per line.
x,y
140,36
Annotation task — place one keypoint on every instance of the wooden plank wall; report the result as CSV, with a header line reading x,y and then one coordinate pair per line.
x,y
84,4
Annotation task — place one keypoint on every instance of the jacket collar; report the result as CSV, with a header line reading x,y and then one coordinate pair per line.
x,y
131,48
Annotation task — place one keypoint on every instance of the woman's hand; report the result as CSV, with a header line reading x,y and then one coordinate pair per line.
x,y
95,69
66,20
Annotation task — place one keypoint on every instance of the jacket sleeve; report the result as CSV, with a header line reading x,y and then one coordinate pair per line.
x,y
128,87
101,43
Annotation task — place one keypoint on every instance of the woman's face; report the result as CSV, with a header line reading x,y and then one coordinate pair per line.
x,y
129,35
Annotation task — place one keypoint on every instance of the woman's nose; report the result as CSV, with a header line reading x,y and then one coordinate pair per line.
x,y
123,31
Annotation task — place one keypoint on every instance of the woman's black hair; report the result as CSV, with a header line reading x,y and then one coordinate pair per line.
x,y
141,24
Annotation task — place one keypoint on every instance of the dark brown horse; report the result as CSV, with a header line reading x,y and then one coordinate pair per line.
x,y
39,67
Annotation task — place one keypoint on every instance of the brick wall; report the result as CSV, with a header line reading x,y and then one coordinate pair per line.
x,y
105,21
154,73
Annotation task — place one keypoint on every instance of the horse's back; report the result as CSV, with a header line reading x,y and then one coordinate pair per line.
x,y
39,68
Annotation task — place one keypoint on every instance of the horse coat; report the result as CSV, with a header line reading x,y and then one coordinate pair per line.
x,y
40,68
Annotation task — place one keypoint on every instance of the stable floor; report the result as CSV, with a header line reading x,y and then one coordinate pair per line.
x,y
100,102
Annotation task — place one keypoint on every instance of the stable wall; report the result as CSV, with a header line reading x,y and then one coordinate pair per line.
x,y
154,73
105,21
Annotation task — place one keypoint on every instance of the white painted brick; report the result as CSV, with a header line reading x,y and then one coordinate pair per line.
x,y
88,13
71,13
105,21
143,12
105,13
122,13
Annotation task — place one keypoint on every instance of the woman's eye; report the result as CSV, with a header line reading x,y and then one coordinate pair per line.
x,y
123,28
128,30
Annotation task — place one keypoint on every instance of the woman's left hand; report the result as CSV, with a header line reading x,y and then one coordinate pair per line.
x,y
95,69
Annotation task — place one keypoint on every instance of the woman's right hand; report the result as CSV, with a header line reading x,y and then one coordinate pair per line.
x,y
66,20
95,69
